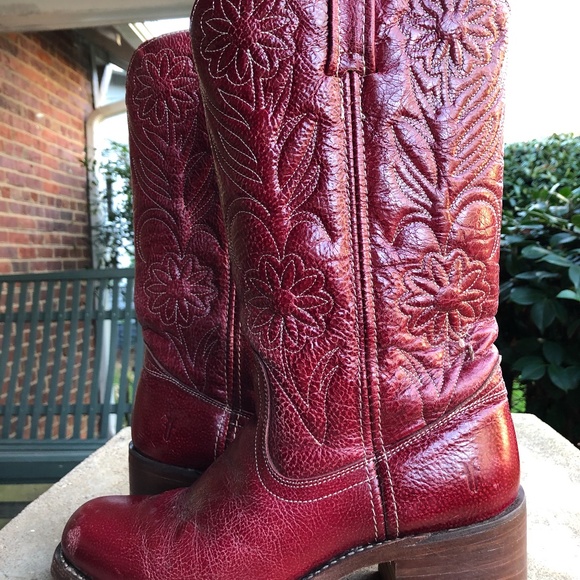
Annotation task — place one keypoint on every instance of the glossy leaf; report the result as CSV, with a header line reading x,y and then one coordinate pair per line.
x,y
525,295
534,252
562,238
574,274
532,368
569,295
543,314
564,378
557,260
536,275
553,352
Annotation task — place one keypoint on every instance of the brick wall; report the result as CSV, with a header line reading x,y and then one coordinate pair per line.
x,y
45,96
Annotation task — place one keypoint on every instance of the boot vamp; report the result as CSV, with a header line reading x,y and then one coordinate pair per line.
x,y
241,520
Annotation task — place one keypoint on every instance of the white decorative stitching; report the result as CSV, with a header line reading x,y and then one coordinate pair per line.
x,y
225,408
289,483
472,402
374,321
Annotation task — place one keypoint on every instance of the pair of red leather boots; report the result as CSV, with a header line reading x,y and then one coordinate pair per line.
x,y
341,264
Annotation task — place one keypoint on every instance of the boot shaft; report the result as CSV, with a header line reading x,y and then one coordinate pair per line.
x,y
433,110
190,402
183,289
359,158
275,120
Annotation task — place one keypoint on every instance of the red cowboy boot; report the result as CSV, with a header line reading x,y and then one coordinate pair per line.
x,y
359,162
190,403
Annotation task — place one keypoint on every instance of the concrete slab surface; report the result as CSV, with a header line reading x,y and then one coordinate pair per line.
x,y
550,477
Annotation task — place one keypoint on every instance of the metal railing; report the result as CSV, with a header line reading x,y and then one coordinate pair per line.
x,y
70,356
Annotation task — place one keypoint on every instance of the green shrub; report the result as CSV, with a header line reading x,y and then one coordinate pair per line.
x,y
113,234
539,313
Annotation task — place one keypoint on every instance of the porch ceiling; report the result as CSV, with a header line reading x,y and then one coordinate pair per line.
x,y
60,14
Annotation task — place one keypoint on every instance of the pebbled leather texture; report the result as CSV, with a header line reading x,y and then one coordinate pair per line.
x,y
190,401
358,155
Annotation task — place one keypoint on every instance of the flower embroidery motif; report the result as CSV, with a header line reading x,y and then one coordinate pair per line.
x,y
180,289
239,38
445,296
164,86
287,303
459,33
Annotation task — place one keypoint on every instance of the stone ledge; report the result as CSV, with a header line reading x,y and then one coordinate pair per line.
x,y
550,476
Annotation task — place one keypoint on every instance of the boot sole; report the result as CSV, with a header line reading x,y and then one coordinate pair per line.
x,y
150,477
490,550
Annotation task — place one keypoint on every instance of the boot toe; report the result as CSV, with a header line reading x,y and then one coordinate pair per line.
x,y
95,541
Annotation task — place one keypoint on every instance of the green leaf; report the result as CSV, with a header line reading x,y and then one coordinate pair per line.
x,y
528,345
573,327
574,275
525,295
576,220
557,260
514,239
569,295
562,311
575,373
565,191
564,378
532,368
534,252
543,314
525,361
527,276
533,373
553,352
536,275
562,238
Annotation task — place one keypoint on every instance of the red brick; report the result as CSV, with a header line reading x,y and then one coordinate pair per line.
x,y
45,96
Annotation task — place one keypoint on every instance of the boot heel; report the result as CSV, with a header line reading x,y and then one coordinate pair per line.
x,y
150,477
491,550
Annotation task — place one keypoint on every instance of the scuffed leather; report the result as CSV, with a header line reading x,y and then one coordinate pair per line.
x,y
190,400
243,519
362,206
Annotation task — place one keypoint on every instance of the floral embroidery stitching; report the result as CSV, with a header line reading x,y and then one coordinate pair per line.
x,y
164,81
180,289
247,36
445,296
288,302
456,33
